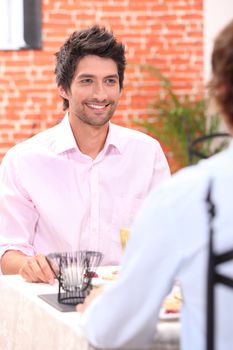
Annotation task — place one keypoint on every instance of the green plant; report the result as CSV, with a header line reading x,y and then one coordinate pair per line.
x,y
178,120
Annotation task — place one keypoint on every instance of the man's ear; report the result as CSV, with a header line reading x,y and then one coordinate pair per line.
x,y
62,92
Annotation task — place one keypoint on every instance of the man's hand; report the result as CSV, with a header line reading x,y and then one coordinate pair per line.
x,y
89,299
31,268
37,269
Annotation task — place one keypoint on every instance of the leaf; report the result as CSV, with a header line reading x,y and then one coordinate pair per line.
x,y
176,120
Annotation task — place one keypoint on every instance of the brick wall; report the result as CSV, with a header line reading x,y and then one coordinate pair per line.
x,y
165,33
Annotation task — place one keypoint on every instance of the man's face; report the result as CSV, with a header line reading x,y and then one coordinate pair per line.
x,y
94,91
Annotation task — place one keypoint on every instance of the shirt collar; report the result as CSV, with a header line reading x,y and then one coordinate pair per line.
x,y
113,139
65,139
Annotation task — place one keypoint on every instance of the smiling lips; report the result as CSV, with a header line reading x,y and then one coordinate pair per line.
x,y
98,107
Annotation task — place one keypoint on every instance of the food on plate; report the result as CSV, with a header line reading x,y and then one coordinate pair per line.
x,y
111,275
172,303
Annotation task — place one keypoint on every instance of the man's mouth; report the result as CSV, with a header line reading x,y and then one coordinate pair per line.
x,y
98,107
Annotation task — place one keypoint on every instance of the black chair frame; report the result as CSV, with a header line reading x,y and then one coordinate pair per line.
x,y
214,277
193,151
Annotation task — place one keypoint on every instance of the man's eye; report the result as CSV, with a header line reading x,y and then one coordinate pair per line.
x,y
86,81
111,81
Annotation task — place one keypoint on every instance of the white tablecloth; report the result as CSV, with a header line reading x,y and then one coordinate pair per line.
x,y
29,323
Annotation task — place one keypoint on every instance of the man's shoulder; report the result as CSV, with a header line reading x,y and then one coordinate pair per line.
x,y
133,134
44,140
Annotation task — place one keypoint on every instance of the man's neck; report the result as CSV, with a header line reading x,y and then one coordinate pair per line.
x,y
90,139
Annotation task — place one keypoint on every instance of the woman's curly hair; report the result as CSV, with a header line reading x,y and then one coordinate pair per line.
x,y
221,85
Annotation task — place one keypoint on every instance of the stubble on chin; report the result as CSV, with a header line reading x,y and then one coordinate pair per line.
x,y
92,121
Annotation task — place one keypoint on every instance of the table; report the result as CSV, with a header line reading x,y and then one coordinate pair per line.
x,y
29,323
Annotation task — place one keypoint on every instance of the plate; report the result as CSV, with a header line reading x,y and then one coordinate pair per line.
x,y
106,275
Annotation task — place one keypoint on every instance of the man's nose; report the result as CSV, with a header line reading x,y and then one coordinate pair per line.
x,y
99,92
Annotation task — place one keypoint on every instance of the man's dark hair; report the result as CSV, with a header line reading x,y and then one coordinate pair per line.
x,y
93,41
222,68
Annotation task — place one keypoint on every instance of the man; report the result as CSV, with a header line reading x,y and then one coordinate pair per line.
x,y
75,185
169,242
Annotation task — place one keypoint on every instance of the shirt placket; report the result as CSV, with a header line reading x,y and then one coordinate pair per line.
x,y
94,215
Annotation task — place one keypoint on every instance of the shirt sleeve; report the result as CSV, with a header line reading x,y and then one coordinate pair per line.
x,y
125,316
18,215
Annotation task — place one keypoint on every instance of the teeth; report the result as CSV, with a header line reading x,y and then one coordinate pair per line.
x,y
96,106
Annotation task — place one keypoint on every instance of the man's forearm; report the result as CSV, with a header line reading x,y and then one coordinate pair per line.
x,y
12,261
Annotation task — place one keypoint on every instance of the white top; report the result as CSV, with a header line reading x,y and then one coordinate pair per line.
x,y
169,242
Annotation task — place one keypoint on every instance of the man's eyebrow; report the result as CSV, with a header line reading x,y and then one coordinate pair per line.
x,y
115,76
86,75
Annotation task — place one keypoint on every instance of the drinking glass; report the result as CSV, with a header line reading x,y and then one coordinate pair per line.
x,y
124,235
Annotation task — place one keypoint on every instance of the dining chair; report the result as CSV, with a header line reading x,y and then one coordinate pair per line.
x,y
214,277
207,145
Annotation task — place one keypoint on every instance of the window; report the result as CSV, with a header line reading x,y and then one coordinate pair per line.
x,y
20,24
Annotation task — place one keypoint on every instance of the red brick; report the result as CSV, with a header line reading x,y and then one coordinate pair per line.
x,y
172,42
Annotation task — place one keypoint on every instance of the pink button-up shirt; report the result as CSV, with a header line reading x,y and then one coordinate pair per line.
x,y
55,198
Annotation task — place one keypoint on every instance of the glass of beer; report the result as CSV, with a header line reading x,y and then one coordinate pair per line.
x,y
124,235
